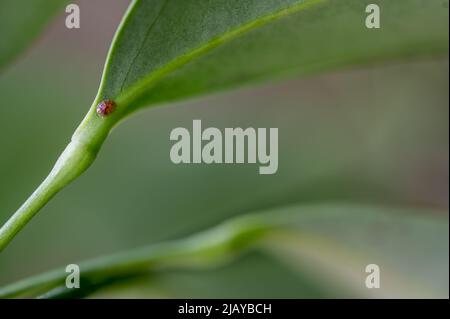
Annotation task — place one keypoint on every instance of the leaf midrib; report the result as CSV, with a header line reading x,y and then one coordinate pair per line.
x,y
147,33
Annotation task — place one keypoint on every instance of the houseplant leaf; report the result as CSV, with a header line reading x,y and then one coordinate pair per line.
x,y
196,47
166,50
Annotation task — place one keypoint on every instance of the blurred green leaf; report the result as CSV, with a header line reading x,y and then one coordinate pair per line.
x,y
21,22
407,245
335,243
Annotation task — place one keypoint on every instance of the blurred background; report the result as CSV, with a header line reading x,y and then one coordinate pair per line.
x,y
377,134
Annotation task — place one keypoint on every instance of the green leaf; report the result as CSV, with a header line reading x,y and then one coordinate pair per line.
x,y
331,244
171,49
21,22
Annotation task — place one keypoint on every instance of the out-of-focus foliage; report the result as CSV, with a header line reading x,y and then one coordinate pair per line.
x,y
313,239
21,22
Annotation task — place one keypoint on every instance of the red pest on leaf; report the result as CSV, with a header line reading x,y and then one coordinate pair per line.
x,y
106,107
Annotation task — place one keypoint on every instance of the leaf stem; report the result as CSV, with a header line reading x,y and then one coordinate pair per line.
x,y
74,160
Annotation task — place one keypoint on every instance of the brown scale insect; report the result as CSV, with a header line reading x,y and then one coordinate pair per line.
x,y
106,107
